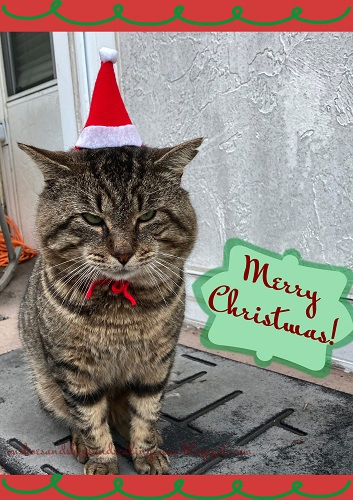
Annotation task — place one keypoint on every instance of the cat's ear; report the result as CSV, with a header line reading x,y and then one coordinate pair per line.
x,y
176,158
52,164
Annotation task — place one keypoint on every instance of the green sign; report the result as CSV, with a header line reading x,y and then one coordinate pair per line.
x,y
276,307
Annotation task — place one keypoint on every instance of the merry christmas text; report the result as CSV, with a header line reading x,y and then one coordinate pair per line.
x,y
276,318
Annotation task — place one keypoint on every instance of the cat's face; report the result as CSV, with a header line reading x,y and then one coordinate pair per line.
x,y
119,212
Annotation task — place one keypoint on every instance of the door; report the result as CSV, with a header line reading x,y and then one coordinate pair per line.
x,y
30,112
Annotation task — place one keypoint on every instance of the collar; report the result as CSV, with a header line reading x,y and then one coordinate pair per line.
x,y
117,288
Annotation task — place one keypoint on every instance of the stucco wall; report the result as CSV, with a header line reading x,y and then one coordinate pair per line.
x,y
276,111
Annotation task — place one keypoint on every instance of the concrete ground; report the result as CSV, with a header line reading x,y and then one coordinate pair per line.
x,y
221,414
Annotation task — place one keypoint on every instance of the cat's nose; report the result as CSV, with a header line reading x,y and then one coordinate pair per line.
x,y
122,250
124,258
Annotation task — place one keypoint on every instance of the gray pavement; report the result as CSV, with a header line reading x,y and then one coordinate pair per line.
x,y
219,417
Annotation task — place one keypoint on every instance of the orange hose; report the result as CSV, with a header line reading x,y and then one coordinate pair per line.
x,y
16,237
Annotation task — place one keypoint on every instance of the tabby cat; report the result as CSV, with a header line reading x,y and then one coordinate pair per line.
x,y
114,225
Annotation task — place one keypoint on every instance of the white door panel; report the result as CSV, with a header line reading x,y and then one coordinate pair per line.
x,y
33,120
31,116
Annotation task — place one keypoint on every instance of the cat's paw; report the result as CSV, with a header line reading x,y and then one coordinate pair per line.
x,y
93,466
156,462
78,448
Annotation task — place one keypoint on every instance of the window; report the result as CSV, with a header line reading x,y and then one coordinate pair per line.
x,y
28,60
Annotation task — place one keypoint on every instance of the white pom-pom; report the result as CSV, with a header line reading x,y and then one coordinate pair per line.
x,y
106,55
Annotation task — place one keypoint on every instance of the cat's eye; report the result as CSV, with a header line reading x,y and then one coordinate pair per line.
x,y
147,216
92,219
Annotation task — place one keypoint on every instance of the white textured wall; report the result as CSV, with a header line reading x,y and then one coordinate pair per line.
x,y
276,111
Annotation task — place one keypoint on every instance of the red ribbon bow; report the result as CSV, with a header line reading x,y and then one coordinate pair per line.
x,y
117,287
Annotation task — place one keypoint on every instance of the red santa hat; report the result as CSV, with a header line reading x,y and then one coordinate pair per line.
x,y
108,123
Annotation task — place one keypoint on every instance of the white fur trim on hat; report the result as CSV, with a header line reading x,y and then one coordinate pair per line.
x,y
96,136
108,55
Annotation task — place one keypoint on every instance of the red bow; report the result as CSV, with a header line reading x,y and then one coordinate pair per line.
x,y
117,287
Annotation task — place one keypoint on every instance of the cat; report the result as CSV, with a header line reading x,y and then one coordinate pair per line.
x,y
114,225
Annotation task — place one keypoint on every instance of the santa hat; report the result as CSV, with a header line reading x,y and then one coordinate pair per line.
x,y
108,123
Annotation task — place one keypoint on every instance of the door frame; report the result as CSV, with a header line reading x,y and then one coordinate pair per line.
x,y
7,171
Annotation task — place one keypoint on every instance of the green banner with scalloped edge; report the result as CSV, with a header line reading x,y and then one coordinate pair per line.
x,y
236,15
118,490
250,15
276,307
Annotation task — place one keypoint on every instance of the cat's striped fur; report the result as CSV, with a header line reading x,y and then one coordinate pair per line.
x,y
99,362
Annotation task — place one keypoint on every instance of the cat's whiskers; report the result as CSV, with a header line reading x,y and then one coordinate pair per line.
x,y
166,261
46,267
64,272
168,278
168,268
90,278
155,283
93,276
70,275
81,258
171,255
86,271
166,282
165,279
68,320
74,289
63,282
